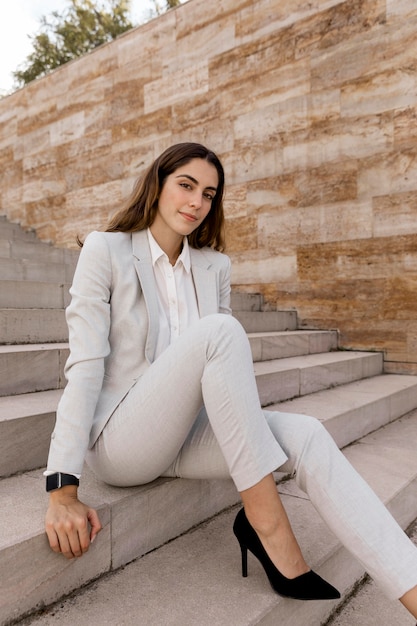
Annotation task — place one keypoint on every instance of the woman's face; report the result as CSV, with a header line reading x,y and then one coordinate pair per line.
x,y
186,198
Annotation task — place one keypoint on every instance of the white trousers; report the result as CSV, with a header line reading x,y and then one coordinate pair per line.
x,y
195,413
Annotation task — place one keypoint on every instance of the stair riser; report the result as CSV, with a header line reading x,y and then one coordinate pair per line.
x,y
24,294
266,348
28,326
10,232
246,301
11,269
36,251
35,370
31,437
267,321
279,386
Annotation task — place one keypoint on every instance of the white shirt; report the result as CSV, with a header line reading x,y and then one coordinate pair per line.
x,y
177,299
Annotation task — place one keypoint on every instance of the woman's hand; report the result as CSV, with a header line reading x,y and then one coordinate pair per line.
x,y
70,525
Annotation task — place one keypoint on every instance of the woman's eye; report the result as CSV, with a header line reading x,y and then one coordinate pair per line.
x,y
209,196
185,185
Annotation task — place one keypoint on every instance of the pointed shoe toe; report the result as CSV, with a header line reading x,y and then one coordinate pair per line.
x,y
308,586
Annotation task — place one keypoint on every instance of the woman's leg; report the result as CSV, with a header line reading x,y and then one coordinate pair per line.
x,y
344,500
347,504
211,363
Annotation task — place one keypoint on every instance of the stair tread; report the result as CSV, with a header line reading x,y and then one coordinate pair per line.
x,y
32,347
312,360
345,398
29,404
198,574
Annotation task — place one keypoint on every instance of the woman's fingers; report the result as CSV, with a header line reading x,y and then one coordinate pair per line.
x,y
67,528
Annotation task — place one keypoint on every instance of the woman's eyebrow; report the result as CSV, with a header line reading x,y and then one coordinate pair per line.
x,y
194,180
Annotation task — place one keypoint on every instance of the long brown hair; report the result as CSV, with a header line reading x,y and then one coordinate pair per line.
x,y
141,209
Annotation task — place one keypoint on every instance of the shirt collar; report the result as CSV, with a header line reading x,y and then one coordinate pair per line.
x,y
157,252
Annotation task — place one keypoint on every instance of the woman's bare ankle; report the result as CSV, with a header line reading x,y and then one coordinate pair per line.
x,y
281,545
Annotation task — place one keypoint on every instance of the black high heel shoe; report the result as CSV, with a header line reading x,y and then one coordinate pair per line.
x,y
308,586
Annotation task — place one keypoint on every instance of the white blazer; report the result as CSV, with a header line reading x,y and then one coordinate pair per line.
x,y
113,327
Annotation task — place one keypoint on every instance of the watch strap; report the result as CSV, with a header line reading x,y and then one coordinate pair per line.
x,y
58,480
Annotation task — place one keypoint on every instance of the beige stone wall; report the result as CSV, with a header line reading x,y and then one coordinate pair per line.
x,y
312,107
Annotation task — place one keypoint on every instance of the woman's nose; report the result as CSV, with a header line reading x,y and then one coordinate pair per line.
x,y
196,200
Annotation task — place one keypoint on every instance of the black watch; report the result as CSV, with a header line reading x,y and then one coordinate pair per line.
x,y
58,480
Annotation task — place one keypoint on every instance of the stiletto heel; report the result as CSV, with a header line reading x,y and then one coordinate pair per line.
x,y
244,551
308,586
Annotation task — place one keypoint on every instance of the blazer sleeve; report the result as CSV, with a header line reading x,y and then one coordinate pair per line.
x,y
224,286
88,318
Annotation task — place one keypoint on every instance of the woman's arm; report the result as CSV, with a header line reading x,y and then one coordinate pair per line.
x,y
88,318
70,524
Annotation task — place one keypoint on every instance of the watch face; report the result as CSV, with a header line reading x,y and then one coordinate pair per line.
x,y
52,482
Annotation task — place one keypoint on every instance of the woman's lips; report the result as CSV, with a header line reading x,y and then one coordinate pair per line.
x,y
188,216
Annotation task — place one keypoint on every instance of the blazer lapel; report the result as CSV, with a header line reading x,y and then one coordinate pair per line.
x,y
205,283
143,265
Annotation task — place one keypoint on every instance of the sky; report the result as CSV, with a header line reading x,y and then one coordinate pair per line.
x,y
20,18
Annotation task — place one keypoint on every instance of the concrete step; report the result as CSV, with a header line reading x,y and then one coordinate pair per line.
x,y
22,249
26,424
356,409
10,231
37,271
266,321
29,368
196,578
25,326
283,379
283,344
368,606
240,301
41,577
24,294
45,325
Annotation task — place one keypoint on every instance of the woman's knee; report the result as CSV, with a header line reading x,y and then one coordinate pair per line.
x,y
220,325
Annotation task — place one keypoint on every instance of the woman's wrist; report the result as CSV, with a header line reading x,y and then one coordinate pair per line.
x,y
69,492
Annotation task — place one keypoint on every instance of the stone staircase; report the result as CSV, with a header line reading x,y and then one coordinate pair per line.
x,y
194,579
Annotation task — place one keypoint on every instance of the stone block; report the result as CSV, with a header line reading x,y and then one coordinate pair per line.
x,y
394,214
391,90
336,141
191,47
398,8
405,128
235,204
390,174
265,17
336,23
363,55
175,86
363,259
249,270
240,234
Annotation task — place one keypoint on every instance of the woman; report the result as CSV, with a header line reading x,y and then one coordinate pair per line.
x,y
160,383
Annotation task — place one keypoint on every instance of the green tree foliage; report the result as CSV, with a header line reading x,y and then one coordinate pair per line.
x,y
65,36
164,5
